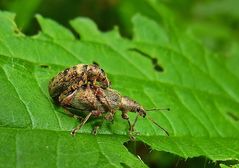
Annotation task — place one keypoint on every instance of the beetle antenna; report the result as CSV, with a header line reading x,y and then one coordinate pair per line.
x,y
155,109
158,125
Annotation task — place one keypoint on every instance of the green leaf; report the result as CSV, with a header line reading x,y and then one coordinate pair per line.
x,y
198,87
225,166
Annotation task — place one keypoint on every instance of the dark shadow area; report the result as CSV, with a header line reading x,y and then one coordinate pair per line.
x,y
157,159
154,60
62,11
35,28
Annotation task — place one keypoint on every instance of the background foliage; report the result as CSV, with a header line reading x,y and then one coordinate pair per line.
x,y
177,54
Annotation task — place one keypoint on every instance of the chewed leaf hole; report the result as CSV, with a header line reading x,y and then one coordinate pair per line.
x,y
44,66
157,66
124,165
233,116
154,60
95,63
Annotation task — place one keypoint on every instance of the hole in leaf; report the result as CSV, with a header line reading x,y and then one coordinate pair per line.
x,y
124,165
154,60
157,67
44,66
233,116
160,159
95,63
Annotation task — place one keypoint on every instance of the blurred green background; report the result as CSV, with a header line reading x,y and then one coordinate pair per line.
x,y
213,22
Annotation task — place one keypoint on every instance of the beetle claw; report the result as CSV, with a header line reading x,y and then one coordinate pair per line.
x,y
73,132
95,130
133,134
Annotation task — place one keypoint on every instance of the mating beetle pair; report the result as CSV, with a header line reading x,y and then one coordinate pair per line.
x,y
86,88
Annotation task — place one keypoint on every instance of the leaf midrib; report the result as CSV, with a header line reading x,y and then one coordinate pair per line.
x,y
122,135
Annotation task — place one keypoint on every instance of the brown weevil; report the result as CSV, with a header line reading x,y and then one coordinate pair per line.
x,y
103,103
73,78
84,90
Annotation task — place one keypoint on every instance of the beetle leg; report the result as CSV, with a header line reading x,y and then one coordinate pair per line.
x,y
99,95
135,120
96,128
125,116
91,99
66,100
110,116
73,132
132,132
96,113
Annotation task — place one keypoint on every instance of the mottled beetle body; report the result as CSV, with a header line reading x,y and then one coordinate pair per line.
x,y
87,100
85,89
73,78
103,103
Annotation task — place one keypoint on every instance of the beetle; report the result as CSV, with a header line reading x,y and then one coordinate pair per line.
x,y
99,102
70,79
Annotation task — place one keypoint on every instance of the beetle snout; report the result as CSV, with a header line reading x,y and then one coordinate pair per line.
x,y
142,112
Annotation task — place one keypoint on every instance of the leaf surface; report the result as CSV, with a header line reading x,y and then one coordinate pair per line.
x,y
158,68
